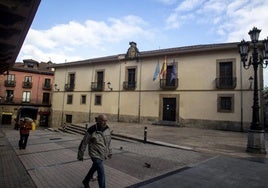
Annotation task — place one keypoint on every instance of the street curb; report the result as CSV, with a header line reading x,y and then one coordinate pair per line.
x,y
159,143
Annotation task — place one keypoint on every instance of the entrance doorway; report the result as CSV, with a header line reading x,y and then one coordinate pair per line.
x,y
44,120
6,119
169,109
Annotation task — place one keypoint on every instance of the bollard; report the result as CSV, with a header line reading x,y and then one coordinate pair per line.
x,y
145,135
86,126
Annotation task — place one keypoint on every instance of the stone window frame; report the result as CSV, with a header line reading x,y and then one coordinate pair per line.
x,y
69,99
127,68
231,96
83,101
68,118
96,102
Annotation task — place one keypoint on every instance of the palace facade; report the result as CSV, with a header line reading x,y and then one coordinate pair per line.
x,y
198,86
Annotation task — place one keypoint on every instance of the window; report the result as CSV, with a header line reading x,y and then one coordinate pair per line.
x,y
46,97
83,99
132,78
225,74
26,96
98,85
27,83
68,118
171,75
98,99
130,82
226,103
47,82
170,80
71,78
69,99
100,75
30,65
71,82
28,79
11,77
10,82
9,95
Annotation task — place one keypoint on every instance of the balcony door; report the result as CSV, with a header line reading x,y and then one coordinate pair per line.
x,y
131,77
226,74
100,77
71,79
169,82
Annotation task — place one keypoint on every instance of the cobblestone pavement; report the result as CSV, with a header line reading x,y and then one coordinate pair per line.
x,y
215,142
177,154
12,171
50,160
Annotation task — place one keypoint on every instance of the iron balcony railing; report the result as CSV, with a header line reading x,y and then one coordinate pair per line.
x,y
169,84
97,86
27,85
129,85
21,101
226,83
47,86
10,83
69,87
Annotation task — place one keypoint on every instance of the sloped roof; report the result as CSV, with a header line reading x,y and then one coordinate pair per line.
x,y
39,68
154,53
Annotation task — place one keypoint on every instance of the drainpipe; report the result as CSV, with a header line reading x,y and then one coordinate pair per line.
x,y
63,98
120,57
241,99
261,96
139,110
90,95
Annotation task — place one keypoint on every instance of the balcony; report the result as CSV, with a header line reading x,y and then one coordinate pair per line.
x,y
167,84
9,99
97,86
27,85
69,87
226,83
129,85
10,83
47,87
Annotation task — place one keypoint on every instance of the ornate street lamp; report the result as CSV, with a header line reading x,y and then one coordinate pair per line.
x,y
256,133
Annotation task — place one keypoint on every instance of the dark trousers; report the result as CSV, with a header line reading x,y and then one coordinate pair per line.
x,y
96,166
23,141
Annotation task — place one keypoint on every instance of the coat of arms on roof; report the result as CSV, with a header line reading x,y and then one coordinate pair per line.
x,y
133,51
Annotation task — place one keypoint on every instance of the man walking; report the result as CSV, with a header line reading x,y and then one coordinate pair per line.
x,y
98,139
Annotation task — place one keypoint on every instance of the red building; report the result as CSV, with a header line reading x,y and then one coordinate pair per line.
x,y
27,84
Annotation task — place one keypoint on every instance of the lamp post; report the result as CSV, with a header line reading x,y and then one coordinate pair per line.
x,y
256,133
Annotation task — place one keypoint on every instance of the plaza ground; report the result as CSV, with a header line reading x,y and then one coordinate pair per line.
x,y
177,157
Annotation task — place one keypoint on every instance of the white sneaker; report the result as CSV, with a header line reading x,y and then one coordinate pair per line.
x,y
94,178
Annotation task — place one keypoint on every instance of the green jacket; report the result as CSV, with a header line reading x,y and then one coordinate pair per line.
x,y
98,141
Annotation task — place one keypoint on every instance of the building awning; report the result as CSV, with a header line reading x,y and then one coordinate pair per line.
x,y
44,112
7,113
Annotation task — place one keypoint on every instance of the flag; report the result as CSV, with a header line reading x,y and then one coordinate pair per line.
x,y
173,72
156,72
164,68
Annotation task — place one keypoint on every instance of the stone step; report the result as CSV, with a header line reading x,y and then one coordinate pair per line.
x,y
74,129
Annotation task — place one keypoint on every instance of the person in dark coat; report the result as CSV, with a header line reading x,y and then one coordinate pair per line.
x,y
25,126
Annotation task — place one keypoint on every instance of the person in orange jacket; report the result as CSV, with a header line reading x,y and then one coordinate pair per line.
x,y
25,126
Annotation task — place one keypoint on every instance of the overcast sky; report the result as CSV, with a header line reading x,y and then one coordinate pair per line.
x,y
68,30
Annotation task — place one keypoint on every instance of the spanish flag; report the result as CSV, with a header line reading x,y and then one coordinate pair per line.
x,y
163,71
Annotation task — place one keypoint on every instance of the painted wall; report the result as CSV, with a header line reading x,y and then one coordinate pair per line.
x,y
197,93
